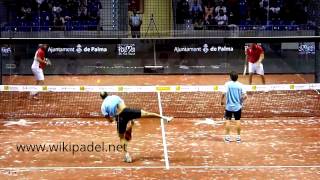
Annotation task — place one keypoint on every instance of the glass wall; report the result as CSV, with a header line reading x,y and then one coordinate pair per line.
x,y
174,56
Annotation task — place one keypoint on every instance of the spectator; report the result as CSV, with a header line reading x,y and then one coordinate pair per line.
x,y
40,2
198,25
83,13
59,23
56,9
196,10
222,20
135,23
208,10
182,11
83,2
210,22
94,7
26,12
220,7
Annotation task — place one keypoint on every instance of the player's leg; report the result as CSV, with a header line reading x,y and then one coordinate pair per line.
x,y
40,82
227,116
237,117
263,80
251,70
127,158
260,71
151,114
128,133
250,78
121,128
39,76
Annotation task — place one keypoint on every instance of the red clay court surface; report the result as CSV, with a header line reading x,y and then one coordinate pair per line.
x,y
272,148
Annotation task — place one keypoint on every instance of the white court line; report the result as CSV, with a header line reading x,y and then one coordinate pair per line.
x,y
147,167
164,141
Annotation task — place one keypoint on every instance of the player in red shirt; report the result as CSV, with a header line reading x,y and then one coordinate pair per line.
x,y
38,65
255,56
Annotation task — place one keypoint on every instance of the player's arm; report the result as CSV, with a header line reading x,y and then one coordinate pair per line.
x,y
223,99
261,58
140,21
41,60
109,119
246,51
130,21
244,97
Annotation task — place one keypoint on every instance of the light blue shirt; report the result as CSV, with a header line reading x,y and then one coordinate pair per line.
x,y
234,92
136,20
109,105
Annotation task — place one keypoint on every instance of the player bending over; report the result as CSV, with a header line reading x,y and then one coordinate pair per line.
x,y
233,96
255,56
114,108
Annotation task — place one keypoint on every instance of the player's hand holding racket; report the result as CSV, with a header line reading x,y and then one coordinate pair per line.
x,y
48,62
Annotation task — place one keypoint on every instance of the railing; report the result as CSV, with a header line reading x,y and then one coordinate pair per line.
x,y
94,31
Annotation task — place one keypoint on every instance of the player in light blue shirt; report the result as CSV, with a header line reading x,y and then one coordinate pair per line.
x,y
233,97
110,105
114,108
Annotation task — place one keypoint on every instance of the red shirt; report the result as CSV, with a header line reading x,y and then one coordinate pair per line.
x,y
253,53
41,55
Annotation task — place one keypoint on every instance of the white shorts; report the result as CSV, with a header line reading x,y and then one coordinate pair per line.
x,y
38,74
255,68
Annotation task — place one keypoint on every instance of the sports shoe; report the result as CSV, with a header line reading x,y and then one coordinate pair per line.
x,y
227,139
127,158
238,139
167,119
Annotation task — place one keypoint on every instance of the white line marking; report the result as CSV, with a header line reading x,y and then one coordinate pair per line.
x,y
317,91
164,141
147,167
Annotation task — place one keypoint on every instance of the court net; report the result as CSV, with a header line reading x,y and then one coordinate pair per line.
x,y
280,100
